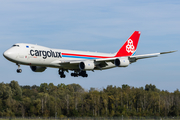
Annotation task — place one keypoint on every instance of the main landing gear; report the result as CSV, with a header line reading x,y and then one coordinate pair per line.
x,y
61,73
19,70
75,74
82,73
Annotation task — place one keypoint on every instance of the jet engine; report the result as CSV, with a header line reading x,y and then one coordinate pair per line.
x,y
87,65
121,62
38,68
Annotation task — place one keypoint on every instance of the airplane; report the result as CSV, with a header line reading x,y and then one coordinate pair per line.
x,y
39,58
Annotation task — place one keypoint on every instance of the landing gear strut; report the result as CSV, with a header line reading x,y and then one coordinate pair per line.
x,y
61,73
19,70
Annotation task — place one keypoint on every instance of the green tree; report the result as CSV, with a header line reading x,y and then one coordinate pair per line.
x,y
16,90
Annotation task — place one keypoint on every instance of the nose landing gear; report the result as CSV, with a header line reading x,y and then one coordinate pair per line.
x,y
19,70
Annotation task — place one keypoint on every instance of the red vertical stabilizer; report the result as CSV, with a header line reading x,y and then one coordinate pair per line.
x,y
129,47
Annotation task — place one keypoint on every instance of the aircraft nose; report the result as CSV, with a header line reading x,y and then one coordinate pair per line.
x,y
5,54
9,54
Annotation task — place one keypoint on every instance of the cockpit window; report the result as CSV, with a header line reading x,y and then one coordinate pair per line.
x,y
15,46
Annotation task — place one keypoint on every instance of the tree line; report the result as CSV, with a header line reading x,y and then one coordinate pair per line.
x,y
48,100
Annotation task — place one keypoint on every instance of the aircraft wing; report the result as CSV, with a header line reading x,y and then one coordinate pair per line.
x,y
103,62
150,55
66,62
136,56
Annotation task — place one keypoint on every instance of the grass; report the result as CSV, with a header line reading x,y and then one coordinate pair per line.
x,y
89,118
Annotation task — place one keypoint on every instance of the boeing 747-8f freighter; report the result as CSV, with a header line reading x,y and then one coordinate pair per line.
x,y
39,58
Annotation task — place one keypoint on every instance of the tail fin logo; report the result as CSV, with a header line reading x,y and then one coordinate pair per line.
x,y
130,47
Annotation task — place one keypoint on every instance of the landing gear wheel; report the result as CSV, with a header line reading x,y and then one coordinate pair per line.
x,y
19,70
74,74
83,74
86,75
63,76
61,73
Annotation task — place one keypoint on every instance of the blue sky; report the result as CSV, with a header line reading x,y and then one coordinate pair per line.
x,y
101,26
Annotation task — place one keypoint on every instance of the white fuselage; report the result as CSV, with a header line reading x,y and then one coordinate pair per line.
x,y
35,55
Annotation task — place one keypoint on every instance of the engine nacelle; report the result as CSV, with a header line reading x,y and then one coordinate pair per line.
x,y
87,65
121,62
38,68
